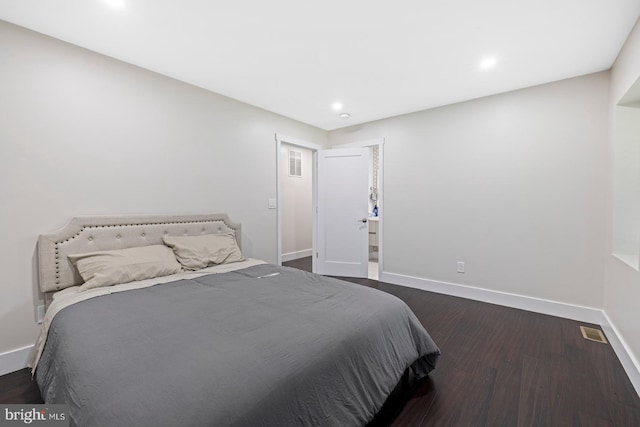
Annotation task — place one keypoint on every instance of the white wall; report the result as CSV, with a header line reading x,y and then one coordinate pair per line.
x,y
296,205
513,185
81,133
626,184
622,283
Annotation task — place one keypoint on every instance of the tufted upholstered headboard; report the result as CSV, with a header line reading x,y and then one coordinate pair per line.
x,y
99,233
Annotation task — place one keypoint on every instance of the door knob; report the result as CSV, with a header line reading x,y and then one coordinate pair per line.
x,y
364,220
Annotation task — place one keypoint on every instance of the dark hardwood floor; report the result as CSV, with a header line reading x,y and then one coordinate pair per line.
x,y
17,387
506,367
499,367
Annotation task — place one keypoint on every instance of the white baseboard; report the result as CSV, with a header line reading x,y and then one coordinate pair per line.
x,y
554,308
537,305
290,256
15,360
625,355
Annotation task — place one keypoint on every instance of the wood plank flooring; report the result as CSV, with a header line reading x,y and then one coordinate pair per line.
x,y
499,367
506,367
17,387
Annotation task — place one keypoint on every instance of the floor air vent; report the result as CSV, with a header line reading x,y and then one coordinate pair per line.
x,y
593,334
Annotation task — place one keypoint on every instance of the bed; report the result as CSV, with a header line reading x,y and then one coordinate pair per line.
x,y
231,344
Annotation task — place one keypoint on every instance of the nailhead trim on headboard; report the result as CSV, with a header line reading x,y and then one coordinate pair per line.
x,y
56,240
118,236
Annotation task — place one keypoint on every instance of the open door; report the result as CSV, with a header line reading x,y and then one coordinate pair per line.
x,y
343,212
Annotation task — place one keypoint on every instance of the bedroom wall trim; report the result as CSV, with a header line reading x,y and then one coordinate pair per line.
x,y
14,360
290,256
537,305
629,362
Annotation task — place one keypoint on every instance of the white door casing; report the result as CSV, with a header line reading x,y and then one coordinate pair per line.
x,y
285,139
342,212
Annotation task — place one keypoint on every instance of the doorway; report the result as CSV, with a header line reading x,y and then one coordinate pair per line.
x,y
373,196
296,177
295,201
375,203
374,212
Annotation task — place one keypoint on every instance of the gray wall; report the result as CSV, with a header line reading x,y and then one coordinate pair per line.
x,y
512,184
81,133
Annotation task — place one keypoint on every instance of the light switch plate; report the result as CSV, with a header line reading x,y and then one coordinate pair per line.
x,y
272,203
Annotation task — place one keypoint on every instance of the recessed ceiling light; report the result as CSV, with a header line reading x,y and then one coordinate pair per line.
x,y
487,63
337,106
115,3
344,115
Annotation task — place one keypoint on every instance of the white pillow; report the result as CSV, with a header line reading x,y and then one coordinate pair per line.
x,y
196,252
106,268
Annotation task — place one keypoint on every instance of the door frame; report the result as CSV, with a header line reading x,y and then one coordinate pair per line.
x,y
285,139
370,143
280,139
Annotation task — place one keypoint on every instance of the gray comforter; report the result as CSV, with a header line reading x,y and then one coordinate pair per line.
x,y
245,348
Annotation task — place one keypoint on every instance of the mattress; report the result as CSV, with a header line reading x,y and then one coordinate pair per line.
x,y
260,346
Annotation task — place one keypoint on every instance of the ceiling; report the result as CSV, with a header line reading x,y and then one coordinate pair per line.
x,y
378,58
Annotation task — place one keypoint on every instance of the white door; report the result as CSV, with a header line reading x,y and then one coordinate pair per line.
x,y
343,205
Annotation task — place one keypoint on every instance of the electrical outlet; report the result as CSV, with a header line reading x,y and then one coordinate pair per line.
x,y
40,313
460,266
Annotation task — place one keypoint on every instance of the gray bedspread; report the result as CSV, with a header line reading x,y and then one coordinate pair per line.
x,y
245,348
